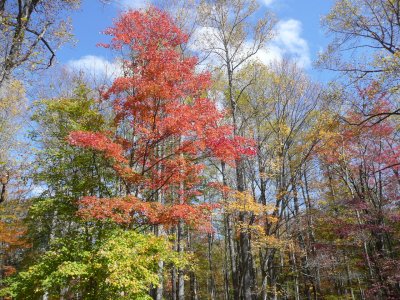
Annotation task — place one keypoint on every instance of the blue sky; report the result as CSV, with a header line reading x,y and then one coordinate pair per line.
x,y
299,33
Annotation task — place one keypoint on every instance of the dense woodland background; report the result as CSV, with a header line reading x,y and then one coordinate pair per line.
x,y
200,174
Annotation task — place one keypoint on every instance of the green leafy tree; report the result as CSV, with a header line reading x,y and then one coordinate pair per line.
x,y
70,256
122,264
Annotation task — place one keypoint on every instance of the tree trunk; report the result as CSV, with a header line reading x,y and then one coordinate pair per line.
x,y
211,280
231,246
193,287
181,279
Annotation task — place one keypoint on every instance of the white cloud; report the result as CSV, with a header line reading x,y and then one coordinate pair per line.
x,y
287,43
96,66
133,4
37,190
206,38
267,2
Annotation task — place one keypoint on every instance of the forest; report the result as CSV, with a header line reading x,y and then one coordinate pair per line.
x,y
195,169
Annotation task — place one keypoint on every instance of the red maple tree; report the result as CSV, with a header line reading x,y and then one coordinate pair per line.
x,y
166,126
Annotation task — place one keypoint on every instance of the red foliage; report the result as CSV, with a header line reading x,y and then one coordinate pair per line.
x,y
99,142
126,210
172,126
374,147
367,158
9,270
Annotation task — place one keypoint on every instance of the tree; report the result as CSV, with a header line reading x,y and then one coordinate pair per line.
x,y
284,111
31,31
363,28
161,100
361,166
12,106
365,46
68,255
165,129
173,183
60,175
12,236
232,40
120,264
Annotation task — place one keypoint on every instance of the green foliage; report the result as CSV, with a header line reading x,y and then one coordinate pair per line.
x,y
69,256
66,114
122,265
132,261
63,173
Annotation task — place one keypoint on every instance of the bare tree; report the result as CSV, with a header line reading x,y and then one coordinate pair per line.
x,y
365,48
231,39
31,31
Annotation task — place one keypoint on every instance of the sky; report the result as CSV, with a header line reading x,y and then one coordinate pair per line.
x,y
298,34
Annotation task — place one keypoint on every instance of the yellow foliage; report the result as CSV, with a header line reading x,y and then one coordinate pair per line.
x,y
253,224
12,98
245,202
259,237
